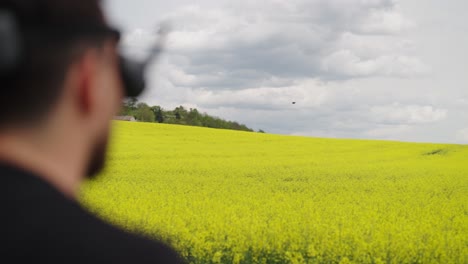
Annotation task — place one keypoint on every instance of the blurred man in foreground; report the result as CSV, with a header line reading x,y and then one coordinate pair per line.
x,y
56,104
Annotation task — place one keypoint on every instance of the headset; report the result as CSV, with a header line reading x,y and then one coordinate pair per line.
x,y
11,52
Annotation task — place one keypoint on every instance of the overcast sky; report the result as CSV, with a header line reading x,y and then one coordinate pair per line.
x,y
374,69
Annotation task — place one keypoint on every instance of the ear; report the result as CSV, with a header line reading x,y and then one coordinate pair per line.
x,y
86,82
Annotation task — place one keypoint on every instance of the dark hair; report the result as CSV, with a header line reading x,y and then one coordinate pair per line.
x,y
54,33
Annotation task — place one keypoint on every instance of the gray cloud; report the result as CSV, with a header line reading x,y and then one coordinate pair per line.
x,y
242,46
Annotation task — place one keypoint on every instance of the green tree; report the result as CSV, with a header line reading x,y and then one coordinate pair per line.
x,y
144,113
193,118
129,106
158,113
180,115
131,103
160,116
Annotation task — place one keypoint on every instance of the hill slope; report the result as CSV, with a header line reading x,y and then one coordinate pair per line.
x,y
223,196
181,116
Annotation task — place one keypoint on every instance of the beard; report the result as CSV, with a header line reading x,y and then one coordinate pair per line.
x,y
98,157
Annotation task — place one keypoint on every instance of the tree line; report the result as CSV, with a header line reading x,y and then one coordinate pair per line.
x,y
180,115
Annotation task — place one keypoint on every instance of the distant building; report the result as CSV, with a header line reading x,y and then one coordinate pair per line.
x,y
125,118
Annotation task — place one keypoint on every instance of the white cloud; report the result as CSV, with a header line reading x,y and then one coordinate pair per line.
x,y
462,101
407,114
388,131
462,135
347,64
385,22
308,94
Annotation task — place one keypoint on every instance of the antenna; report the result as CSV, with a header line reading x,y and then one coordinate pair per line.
x,y
158,48
133,72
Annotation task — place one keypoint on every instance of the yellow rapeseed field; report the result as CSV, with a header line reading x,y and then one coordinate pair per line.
x,y
222,196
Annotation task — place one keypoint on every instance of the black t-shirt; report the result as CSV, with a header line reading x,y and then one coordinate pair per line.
x,y
40,225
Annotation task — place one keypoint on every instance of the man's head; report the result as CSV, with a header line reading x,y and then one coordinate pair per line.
x,y
68,76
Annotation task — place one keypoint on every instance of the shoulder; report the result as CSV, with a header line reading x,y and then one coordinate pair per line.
x,y
103,242
110,243
42,225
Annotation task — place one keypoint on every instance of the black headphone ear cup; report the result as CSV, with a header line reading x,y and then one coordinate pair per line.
x,y
10,42
133,72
